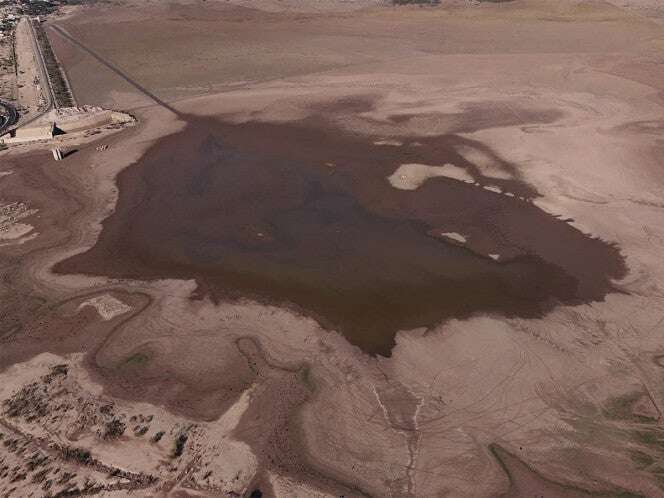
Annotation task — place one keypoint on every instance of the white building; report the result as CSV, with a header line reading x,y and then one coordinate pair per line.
x,y
30,133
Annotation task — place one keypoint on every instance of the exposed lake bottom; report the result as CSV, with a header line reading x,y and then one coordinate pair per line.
x,y
303,215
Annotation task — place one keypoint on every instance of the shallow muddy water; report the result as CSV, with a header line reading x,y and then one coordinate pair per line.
x,y
303,215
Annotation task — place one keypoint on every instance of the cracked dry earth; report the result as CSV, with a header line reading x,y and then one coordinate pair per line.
x,y
429,271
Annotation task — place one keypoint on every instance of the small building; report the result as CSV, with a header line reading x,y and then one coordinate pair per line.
x,y
30,133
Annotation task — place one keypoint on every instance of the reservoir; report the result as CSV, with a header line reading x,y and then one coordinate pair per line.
x,y
302,215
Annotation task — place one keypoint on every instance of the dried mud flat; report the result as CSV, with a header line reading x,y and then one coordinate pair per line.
x,y
146,347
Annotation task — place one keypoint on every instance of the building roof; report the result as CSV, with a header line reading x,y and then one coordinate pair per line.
x,y
35,132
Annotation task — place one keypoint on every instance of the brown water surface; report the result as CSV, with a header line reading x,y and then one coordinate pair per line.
x,y
302,215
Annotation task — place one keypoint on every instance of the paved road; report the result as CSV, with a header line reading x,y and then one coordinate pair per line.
x,y
9,116
65,34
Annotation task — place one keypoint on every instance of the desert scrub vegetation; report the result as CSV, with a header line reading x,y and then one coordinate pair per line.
x,y
79,455
114,429
157,437
180,443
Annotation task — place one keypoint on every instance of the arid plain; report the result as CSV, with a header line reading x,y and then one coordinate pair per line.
x,y
349,249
